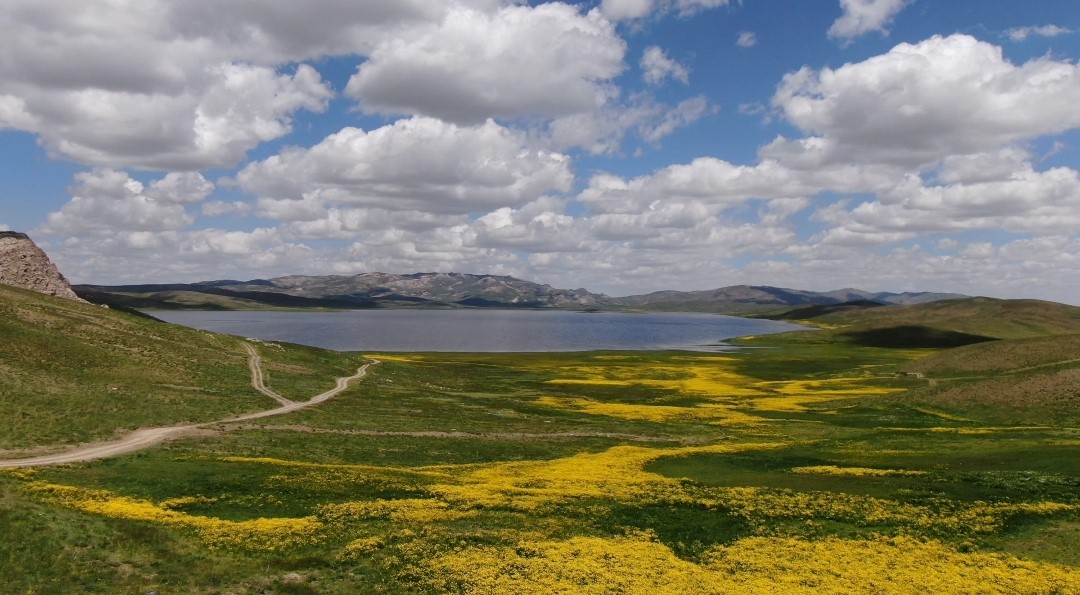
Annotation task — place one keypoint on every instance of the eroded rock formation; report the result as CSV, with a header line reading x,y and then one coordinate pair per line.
x,y
23,264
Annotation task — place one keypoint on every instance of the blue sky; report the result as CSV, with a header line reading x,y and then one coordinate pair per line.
x,y
624,146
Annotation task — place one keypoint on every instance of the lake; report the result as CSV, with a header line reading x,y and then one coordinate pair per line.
x,y
482,330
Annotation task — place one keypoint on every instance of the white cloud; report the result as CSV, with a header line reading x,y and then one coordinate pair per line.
x,y
863,16
656,66
348,223
995,166
724,184
920,103
685,113
947,244
213,122
1022,33
629,10
1027,201
1048,262
172,255
415,164
603,130
547,60
180,188
625,10
746,39
216,208
753,109
183,85
151,89
105,201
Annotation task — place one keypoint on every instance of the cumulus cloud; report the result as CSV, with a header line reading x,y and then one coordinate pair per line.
x,y
213,122
1049,262
656,66
721,183
921,102
1027,201
863,16
415,164
1022,33
547,60
172,255
104,201
152,88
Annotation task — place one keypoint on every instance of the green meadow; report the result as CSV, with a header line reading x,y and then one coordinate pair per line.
x,y
836,460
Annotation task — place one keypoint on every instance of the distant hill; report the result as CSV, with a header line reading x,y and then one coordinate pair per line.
x,y
749,298
946,323
982,316
461,290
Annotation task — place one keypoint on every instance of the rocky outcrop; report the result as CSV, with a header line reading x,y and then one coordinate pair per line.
x,y
23,264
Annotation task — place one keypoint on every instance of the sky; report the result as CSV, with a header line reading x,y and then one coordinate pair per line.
x,y
624,146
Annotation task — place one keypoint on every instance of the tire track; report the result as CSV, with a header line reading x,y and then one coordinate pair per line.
x,y
258,381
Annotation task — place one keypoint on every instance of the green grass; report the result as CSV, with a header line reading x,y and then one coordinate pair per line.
x,y
978,433
72,372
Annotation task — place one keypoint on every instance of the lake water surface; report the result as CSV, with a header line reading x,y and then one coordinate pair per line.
x,y
482,330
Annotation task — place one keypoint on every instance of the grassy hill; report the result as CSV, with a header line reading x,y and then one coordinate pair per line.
x,y
73,372
1002,356
1000,361
948,323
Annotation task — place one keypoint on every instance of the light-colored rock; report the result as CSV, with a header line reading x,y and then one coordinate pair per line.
x,y
23,264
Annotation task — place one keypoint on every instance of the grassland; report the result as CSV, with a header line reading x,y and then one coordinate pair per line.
x,y
72,372
811,463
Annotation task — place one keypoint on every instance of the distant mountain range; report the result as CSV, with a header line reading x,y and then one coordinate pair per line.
x,y
460,290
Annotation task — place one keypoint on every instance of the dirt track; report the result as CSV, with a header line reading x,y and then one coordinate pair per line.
x,y
147,437
257,380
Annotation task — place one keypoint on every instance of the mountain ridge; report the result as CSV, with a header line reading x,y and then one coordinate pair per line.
x,y
456,290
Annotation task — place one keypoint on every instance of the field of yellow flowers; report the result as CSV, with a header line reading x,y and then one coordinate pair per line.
x,y
787,470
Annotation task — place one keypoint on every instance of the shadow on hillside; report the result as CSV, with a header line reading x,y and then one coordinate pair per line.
x,y
808,312
912,336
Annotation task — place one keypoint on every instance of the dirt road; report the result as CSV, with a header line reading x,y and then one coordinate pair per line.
x,y
147,437
257,380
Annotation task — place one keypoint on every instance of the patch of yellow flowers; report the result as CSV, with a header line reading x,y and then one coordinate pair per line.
x,y
710,378
757,565
761,506
264,534
537,487
714,413
855,471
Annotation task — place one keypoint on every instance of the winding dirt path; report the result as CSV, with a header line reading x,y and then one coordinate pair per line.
x,y
257,379
147,437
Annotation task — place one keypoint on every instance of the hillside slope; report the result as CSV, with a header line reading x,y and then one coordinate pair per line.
x,y
988,317
947,323
1005,362
72,372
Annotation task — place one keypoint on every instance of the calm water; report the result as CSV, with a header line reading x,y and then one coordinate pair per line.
x,y
481,330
